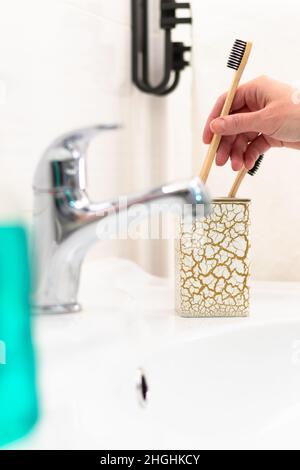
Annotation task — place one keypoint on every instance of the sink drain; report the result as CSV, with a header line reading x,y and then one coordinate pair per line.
x,y
142,388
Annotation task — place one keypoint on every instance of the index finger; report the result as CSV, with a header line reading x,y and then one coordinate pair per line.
x,y
238,103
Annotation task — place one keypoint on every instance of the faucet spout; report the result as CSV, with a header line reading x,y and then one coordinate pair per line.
x,y
67,223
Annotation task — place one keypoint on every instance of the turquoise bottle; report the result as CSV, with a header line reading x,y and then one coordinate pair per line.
x,y
18,393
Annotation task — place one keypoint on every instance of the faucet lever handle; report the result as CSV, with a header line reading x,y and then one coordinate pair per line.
x,y
76,142
62,164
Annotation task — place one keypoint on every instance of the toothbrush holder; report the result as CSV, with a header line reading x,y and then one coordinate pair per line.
x,y
212,262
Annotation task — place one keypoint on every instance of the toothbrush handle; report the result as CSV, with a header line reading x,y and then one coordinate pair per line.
x,y
212,150
237,183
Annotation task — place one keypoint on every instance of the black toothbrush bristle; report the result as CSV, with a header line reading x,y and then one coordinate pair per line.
x,y
236,54
255,169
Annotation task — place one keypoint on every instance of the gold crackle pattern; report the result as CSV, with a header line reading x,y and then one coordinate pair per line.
x,y
212,265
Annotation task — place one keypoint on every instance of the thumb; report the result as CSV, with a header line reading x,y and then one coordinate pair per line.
x,y
237,123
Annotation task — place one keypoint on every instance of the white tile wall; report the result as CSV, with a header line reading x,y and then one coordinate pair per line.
x,y
66,64
274,29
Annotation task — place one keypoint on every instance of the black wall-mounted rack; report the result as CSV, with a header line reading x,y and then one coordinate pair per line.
x,y
174,60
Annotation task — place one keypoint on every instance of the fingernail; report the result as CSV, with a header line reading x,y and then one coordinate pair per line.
x,y
218,124
250,164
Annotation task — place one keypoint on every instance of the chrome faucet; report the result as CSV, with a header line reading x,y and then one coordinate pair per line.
x,y
67,223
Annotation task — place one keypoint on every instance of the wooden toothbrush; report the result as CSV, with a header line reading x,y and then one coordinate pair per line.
x,y
241,175
237,61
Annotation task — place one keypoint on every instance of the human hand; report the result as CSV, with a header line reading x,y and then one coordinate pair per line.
x,y
265,113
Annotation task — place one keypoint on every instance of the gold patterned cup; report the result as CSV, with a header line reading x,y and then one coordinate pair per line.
x,y
212,262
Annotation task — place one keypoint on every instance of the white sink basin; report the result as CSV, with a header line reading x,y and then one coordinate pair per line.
x,y
213,383
238,388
